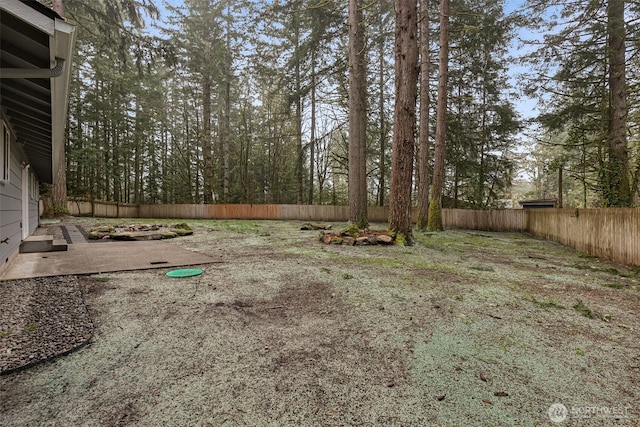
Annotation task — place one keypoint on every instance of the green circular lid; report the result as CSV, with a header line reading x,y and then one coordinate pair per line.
x,y
187,272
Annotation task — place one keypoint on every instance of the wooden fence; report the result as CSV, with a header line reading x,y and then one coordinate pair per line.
x,y
612,234
103,209
98,208
488,220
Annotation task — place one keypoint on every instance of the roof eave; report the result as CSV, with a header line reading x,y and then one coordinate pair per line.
x,y
64,45
43,144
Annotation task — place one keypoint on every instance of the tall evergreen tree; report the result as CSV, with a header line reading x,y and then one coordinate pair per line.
x,y
482,133
435,205
422,164
357,117
581,67
618,191
404,125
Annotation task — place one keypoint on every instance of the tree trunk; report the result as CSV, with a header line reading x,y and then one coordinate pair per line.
x,y
357,117
406,81
423,144
59,189
137,161
207,146
618,185
435,206
312,141
298,106
381,111
560,185
226,129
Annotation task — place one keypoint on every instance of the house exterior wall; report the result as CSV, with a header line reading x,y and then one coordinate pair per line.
x,y
11,204
43,38
11,195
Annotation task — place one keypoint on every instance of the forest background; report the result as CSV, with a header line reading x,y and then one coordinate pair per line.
x,y
246,101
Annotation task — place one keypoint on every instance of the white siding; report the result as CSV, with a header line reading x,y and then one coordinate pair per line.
x,y
34,214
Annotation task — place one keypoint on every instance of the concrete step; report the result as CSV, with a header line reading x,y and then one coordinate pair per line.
x,y
42,244
73,234
59,245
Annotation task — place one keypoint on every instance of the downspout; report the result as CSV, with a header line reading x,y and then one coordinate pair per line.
x,y
33,73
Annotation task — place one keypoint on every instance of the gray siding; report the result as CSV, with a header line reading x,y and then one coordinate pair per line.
x,y
11,208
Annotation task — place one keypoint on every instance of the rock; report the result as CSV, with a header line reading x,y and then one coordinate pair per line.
x,y
140,232
142,235
352,231
181,229
183,226
361,241
384,239
336,240
348,241
180,232
103,229
309,226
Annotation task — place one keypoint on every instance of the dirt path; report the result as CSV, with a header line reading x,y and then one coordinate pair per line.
x,y
464,329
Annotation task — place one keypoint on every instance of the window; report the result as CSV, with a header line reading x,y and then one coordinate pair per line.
x,y
5,157
33,186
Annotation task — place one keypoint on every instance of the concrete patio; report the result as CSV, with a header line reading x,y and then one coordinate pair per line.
x,y
94,258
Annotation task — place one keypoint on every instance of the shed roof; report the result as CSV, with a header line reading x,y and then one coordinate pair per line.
x,y
538,203
36,54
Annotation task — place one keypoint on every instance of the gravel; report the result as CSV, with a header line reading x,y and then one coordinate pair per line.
x,y
41,319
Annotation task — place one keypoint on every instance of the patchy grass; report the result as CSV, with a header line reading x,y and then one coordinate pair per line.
x,y
547,305
29,328
488,269
463,328
581,308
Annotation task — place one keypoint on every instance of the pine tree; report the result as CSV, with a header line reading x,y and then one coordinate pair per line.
x,y
581,66
422,164
357,117
406,48
435,205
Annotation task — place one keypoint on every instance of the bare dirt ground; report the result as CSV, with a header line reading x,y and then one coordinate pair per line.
x,y
465,328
